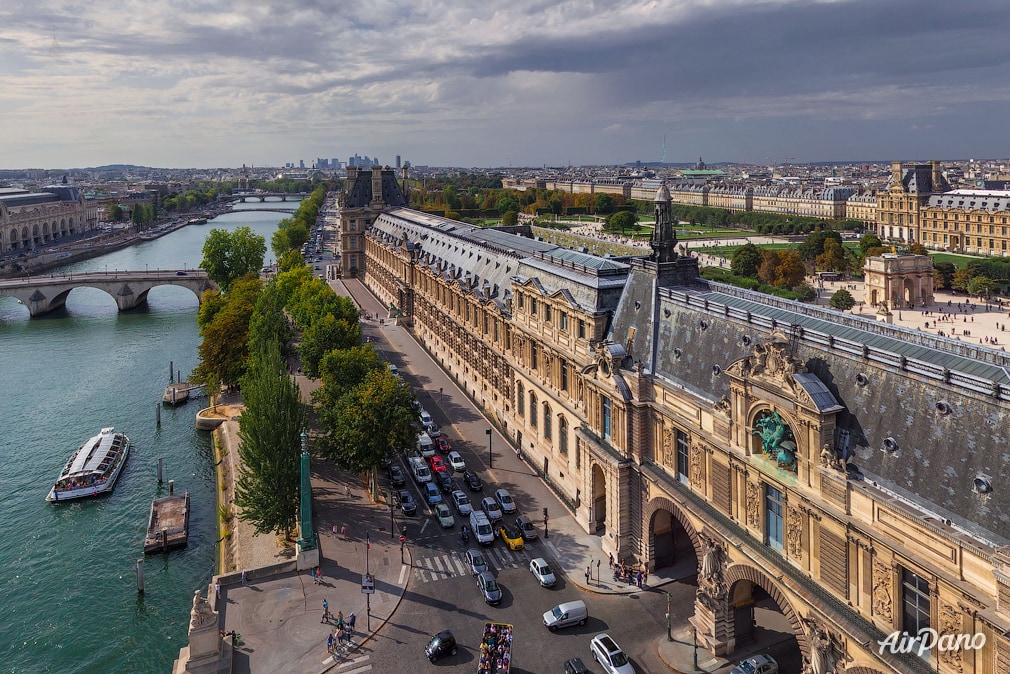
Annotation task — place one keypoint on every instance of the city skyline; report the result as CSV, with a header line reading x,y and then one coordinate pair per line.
x,y
192,84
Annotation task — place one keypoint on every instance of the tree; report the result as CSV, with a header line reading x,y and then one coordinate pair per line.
x,y
267,488
370,421
918,249
343,369
228,256
869,240
225,331
769,262
842,300
833,257
746,261
621,221
324,335
603,203
981,286
813,244
790,271
962,277
510,218
943,274
507,202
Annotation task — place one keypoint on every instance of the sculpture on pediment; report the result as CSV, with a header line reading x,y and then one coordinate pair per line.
x,y
770,360
830,458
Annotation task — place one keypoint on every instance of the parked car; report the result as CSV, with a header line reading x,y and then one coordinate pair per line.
x,y
504,499
396,476
609,654
511,536
443,444
407,505
432,493
542,571
475,560
488,587
491,509
759,664
462,503
472,481
526,527
456,462
441,645
444,515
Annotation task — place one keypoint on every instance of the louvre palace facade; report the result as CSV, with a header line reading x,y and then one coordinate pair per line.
x,y
852,470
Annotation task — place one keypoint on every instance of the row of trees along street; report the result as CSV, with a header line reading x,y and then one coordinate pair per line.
x,y
250,328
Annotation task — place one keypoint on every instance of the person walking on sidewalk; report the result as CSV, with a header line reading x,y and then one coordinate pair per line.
x,y
329,642
587,575
326,611
638,580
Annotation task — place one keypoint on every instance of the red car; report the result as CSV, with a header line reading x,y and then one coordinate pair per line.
x,y
438,464
443,444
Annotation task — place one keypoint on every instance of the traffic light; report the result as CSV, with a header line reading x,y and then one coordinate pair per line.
x,y
545,511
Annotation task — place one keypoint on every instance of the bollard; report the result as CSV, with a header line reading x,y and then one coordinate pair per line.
x,y
171,487
140,576
171,371
161,463
157,414
164,540
178,376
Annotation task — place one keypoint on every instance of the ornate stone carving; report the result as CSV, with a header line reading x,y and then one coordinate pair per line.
x,y
824,650
951,623
771,361
794,533
202,614
669,455
753,506
882,581
697,464
723,405
711,582
831,459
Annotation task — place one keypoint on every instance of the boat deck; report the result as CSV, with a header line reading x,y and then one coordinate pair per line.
x,y
168,526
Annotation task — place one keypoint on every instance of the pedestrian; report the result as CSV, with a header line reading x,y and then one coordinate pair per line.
x,y
326,611
329,642
611,560
335,530
243,576
645,576
340,619
638,579
351,619
217,590
319,576
587,575
347,490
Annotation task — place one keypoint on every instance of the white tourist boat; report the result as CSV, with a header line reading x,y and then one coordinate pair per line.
x,y
94,467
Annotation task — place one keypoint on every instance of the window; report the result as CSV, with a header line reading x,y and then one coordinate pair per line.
x,y
519,299
582,329
563,317
606,417
562,434
564,372
682,456
533,306
353,243
353,227
547,421
547,314
914,605
773,518
496,329
533,356
520,399
533,409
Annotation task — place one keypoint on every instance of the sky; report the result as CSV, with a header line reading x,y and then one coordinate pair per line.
x,y
485,83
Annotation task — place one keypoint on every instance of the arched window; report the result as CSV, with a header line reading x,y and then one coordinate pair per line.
x,y
533,409
562,434
547,421
520,399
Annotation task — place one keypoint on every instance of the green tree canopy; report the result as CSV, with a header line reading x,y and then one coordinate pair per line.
x,y
603,203
833,257
372,420
813,243
981,286
341,370
869,240
325,335
746,261
225,331
943,274
510,218
228,256
621,221
842,300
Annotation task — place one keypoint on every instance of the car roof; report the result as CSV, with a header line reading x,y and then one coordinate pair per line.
x,y
607,642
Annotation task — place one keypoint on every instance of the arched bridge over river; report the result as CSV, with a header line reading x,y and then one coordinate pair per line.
x,y
42,294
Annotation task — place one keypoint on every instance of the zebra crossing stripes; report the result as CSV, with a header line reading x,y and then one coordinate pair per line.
x,y
356,665
452,565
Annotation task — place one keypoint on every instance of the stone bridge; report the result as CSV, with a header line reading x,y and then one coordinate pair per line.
x,y
42,294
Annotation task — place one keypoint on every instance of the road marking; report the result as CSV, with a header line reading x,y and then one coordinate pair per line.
x,y
425,525
438,564
403,574
459,566
557,555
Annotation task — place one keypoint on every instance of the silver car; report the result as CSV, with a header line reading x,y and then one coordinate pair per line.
x,y
462,503
475,560
444,515
491,509
541,570
505,502
488,587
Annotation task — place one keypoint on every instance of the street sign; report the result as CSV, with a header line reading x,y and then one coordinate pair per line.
x,y
403,539
367,584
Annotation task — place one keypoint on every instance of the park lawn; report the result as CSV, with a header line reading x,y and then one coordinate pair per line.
x,y
958,260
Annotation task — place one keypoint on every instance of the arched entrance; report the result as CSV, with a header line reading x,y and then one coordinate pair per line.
x,y
760,615
599,495
672,546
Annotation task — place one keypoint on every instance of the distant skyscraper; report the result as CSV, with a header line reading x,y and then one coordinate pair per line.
x,y
301,163
397,161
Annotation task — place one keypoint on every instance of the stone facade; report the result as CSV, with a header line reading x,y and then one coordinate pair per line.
x,y
898,281
34,219
839,464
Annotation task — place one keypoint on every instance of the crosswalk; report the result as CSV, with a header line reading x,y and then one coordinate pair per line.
x,y
355,665
453,564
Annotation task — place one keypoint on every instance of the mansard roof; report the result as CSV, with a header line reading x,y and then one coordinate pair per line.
x,y
972,200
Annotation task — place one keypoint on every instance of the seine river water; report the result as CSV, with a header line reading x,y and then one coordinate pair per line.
x,y
68,571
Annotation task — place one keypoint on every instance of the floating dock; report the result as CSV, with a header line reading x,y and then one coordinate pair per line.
x,y
178,393
168,526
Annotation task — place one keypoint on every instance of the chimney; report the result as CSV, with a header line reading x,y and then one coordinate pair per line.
x,y
377,199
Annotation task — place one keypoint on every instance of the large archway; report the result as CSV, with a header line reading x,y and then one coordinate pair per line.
x,y
759,613
599,496
672,544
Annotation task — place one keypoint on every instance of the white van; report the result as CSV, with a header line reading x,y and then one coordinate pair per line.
x,y
425,419
419,469
425,445
568,613
481,528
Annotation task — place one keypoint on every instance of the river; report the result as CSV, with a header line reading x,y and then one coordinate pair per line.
x,y
69,570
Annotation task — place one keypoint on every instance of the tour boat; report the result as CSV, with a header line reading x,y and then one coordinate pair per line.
x,y
93,468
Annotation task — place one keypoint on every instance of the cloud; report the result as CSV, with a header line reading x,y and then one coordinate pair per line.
x,y
219,82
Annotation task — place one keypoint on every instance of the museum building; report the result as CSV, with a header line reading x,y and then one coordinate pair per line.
x,y
850,470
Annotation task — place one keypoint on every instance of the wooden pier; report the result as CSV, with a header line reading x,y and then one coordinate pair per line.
x,y
178,393
168,526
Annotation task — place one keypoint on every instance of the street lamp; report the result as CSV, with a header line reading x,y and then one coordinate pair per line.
x,y
490,459
694,635
389,497
669,634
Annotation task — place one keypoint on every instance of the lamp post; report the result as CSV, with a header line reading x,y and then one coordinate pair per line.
x,y
389,498
694,635
490,459
669,633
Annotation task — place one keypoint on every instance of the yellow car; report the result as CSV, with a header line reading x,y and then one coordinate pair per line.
x,y
512,538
